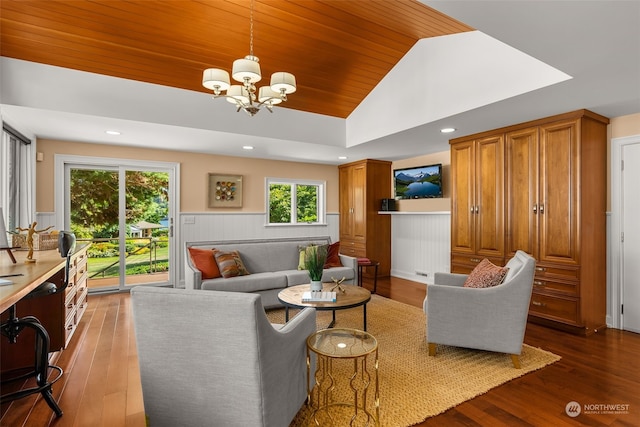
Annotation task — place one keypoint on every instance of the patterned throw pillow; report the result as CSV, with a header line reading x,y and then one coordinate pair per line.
x,y
485,275
205,261
230,264
333,259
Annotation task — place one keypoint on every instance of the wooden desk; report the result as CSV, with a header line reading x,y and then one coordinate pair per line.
x,y
48,263
59,313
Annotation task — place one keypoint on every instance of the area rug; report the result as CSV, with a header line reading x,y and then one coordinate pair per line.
x,y
414,386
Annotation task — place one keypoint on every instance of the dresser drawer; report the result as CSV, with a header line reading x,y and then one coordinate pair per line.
x,y
473,260
556,308
545,271
563,287
69,327
70,295
353,248
81,303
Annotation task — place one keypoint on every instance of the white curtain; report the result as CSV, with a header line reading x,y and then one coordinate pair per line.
x,y
17,179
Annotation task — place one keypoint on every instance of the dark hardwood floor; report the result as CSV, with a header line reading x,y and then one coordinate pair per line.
x,y
101,385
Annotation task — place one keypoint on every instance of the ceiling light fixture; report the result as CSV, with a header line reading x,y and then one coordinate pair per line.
x,y
247,72
112,132
447,130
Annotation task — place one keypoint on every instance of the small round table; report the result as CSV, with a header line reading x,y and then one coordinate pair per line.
x,y
353,296
343,378
362,264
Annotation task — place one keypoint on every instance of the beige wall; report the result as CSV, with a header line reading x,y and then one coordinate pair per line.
x,y
427,205
625,126
194,170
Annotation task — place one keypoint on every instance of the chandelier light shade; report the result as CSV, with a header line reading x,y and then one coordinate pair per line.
x,y
247,72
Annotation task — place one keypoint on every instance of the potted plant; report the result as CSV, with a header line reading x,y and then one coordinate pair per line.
x,y
314,259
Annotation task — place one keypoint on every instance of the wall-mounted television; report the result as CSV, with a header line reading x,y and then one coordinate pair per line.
x,y
418,182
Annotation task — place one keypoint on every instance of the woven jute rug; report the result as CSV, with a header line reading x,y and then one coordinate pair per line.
x,y
414,386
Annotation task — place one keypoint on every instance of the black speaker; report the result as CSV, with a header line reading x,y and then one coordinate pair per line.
x,y
388,205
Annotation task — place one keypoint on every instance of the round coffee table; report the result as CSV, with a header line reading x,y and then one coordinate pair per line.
x,y
353,296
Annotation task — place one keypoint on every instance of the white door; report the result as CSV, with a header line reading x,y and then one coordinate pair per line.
x,y
630,228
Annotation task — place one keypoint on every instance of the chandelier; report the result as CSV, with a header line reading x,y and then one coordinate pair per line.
x,y
247,72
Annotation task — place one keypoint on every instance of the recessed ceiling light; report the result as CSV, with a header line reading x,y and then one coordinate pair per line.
x,y
112,132
342,158
447,130
247,147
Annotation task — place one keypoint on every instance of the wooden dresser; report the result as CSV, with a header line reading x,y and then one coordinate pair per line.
x,y
540,187
363,231
59,313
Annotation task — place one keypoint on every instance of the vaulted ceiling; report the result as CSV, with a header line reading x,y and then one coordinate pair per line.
x,y
338,50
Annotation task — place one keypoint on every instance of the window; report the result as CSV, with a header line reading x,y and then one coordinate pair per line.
x,y
295,201
17,178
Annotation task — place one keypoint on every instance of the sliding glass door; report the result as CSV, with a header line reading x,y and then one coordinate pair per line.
x,y
126,212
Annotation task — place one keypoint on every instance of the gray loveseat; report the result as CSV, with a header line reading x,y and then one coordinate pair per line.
x,y
272,264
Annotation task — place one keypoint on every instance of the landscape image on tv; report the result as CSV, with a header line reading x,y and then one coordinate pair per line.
x,y
419,182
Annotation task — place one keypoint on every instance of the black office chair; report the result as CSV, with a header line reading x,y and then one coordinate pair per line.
x,y
14,325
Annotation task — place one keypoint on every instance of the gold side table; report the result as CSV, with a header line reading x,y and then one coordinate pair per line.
x,y
344,378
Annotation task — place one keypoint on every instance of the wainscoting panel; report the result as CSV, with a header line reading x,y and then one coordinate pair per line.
x,y
420,245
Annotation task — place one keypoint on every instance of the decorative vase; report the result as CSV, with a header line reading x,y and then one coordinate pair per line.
x,y
316,285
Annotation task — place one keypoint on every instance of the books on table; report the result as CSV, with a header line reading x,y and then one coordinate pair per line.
x,y
319,296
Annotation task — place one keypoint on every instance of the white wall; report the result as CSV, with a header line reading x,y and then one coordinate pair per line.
x,y
420,244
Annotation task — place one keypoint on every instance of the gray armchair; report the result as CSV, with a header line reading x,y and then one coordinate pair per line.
x,y
211,358
492,319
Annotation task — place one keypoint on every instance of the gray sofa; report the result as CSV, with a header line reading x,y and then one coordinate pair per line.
x,y
273,264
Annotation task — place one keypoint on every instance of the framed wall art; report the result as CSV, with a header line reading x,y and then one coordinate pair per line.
x,y
225,191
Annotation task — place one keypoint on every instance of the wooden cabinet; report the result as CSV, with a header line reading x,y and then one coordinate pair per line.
x,y
75,296
364,232
555,202
59,313
477,216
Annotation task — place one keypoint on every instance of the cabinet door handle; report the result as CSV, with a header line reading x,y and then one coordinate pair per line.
x,y
540,269
538,283
541,209
535,209
477,209
539,304
471,210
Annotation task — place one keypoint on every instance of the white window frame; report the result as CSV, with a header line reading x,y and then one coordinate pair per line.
x,y
322,216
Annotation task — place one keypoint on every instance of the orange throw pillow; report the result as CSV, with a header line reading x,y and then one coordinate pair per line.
x,y
333,259
205,261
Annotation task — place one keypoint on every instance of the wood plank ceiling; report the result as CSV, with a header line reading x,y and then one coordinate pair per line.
x,y
337,49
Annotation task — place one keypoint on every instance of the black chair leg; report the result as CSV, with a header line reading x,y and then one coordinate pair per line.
x,y
48,397
41,370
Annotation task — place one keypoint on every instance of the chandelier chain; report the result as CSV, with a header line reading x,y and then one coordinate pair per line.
x,y
251,29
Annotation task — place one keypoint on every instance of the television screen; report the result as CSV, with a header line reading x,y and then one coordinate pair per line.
x,y
418,182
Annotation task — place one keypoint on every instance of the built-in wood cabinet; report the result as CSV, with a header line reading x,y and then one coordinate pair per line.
x,y
477,207
363,231
75,295
554,205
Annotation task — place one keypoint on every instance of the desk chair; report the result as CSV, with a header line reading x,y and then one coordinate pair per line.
x,y
14,325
